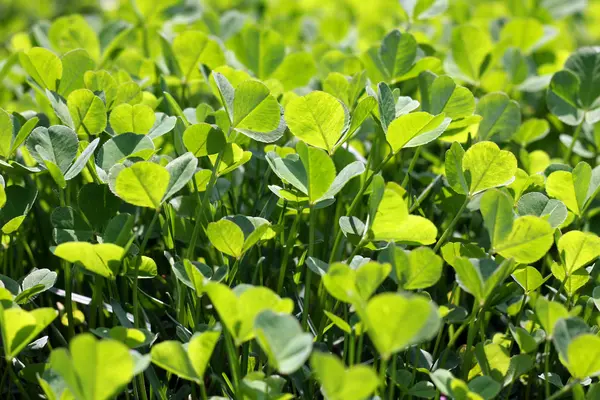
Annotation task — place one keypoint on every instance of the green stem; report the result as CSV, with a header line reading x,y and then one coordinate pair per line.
x,y
564,390
450,227
547,367
393,379
16,380
411,166
245,351
136,319
233,362
311,251
203,391
200,209
68,299
424,194
233,271
359,348
438,341
356,250
96,306
573,141
355,203
351,348
289,246
382,377
560,288
473,327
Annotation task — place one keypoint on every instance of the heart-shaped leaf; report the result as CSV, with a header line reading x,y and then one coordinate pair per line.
x,y
548,313
20,327
497,211
339,383
203,139
396,321
394,58
282,339
393,223
528,278
73,32
318,119
143,184
418,269
583,356
415,129
252,109
313,173
43,66
486,166
88,112
126,118
443,95
181,171
57,144
121,147
529,240
103,259
187,362
584,63
235,235
239,307
268,53
501,117
193,48
355,286
531,130
541,206
563,97
578,249
92,369
470,47
575,189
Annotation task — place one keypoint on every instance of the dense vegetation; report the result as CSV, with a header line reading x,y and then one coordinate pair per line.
x,y
275,199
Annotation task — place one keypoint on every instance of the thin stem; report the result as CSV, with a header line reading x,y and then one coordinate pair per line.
x,y
233,362
136,319
560,288
567,388
438,341
356,250
351,348
203,391
411,166
200,209
450,227
573,141
473,327
311,251
16,380
4,375
424,194
359,348
245,351
234,269
382,378
289,245
393,379
96,306
68,299
547,367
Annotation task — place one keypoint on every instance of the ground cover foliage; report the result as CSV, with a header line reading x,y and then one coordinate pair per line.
x,y
313,199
